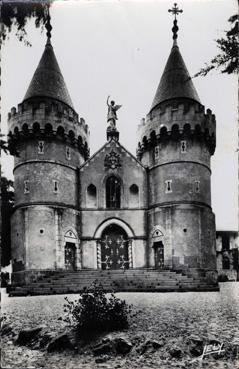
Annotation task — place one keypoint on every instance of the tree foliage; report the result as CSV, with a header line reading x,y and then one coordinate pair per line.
x,y
18,13
8,147
7,202
227,59
3,144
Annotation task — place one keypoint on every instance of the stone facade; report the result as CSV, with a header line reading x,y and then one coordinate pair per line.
x,y
111,210
130,216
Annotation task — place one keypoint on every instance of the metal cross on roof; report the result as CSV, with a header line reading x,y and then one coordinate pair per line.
x,y
175,10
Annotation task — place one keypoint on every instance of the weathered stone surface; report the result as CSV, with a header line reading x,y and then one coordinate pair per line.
x,y
195,345
234,349
102,359
45,339
175,352
149,346
213,339
112,345
122,345
60,343
103,348
26,336
6,330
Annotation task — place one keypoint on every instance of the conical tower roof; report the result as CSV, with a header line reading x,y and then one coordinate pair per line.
x,y
47,80
175,81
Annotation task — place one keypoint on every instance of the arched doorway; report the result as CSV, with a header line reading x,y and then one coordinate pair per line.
x,y
114,248
158,254
70,250
158,246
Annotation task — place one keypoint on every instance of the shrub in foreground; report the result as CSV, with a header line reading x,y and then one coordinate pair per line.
x,y
97,311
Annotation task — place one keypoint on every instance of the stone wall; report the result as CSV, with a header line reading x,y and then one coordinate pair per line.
x,y
183,177
54,151
171,151
41,179
38,238
131,215
187,235
129,171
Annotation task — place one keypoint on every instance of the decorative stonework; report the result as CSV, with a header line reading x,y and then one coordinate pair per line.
x,y
112,160
130,254
157,232
98,255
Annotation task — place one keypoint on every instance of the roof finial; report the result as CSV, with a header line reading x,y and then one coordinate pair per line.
x,y
48,28
175,11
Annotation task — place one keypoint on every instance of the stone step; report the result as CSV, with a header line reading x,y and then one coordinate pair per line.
x,y
116,272
82,280
110,283
63,282
71,280
113,275
61,290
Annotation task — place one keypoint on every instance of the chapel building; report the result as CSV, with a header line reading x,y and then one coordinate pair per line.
x,y
112,211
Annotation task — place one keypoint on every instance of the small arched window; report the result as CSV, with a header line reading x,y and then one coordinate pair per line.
x,y
60,131
113,192
134,195
71,135
36,127
91,196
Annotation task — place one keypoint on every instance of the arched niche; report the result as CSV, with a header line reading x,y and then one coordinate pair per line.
x,y
134,195
91,196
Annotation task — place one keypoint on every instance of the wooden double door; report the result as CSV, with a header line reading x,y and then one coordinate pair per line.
x,y
70,256
159,254
114,248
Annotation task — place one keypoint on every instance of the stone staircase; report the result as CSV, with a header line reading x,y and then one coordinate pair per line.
x,y
130,280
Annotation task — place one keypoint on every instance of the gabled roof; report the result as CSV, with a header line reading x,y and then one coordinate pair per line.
x,y
175,81
105,146
47,80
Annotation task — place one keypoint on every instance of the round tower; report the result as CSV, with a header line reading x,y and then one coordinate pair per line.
x,y
52,142
176,141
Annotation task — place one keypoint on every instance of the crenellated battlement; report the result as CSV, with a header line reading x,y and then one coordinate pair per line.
x,y
48,120
177,121
47,111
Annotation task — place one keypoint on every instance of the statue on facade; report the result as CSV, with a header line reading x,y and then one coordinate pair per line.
x,y
112,116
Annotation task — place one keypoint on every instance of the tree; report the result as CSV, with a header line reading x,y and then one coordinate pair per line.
x,y
18,14
227,60
7,202
3,144
8,147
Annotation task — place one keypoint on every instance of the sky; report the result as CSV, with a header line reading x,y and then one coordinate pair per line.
x,y
120,48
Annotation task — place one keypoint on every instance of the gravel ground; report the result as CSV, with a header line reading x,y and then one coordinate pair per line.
x,y
167,317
